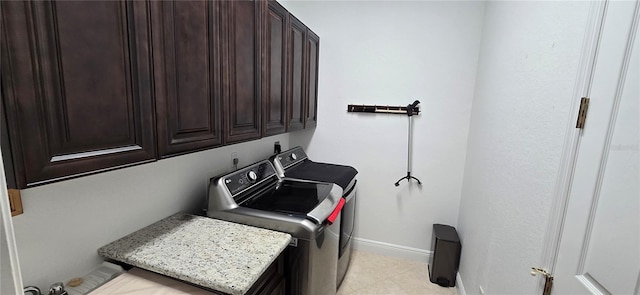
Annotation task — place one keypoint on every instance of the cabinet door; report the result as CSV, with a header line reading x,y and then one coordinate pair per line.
x,y
274,69
296,77
5,146
187,76
313,46
272,281
76,82
241,68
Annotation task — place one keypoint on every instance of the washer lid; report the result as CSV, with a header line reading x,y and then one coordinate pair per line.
x,y
312,200
309,170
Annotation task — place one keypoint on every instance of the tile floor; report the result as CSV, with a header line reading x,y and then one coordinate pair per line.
x,y
370,273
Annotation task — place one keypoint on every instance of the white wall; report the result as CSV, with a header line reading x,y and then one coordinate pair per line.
x,y
392,53
526,74
64,223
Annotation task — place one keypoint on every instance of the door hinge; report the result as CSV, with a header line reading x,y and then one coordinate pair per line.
x,y
582,112
548,279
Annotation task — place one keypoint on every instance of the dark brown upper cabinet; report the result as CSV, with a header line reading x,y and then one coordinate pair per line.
x,y
88,86
187,66
240,31
76,84
296,75
312,59
274,70
290,72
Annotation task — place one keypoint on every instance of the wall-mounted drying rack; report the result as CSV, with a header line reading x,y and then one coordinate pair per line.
x,y
363,108
410,110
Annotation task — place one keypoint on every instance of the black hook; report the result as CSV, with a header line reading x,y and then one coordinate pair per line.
x,y
408,178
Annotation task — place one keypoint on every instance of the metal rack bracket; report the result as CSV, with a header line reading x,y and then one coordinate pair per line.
x,y
410,110
363,108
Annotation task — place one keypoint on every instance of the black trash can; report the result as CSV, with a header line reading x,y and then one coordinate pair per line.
x,y
444,261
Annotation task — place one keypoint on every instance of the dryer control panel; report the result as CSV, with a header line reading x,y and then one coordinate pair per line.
x,y
291,157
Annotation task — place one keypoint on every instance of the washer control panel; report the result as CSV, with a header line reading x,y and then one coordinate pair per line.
x,y
291,157
244,178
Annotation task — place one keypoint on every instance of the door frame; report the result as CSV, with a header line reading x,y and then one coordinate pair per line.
x,y
564,180
8,234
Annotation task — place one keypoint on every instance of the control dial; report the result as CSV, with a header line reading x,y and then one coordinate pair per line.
x,y
294,156
252,176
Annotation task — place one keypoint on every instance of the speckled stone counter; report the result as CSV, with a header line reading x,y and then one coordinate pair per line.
x,y
224,256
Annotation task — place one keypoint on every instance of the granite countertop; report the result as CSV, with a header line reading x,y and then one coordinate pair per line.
x,y
220,255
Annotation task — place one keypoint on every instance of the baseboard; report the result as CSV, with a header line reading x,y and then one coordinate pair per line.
x,y
391,249
459,285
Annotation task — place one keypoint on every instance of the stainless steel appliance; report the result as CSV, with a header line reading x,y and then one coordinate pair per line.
x,y
294,164
308,210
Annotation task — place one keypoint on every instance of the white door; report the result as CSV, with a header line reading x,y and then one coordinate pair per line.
x,y
599,250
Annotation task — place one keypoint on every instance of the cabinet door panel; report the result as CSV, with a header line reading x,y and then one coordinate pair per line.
x,y
94,93
296,95
275,69
186,76
5,146
76,79
241,68
313,46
